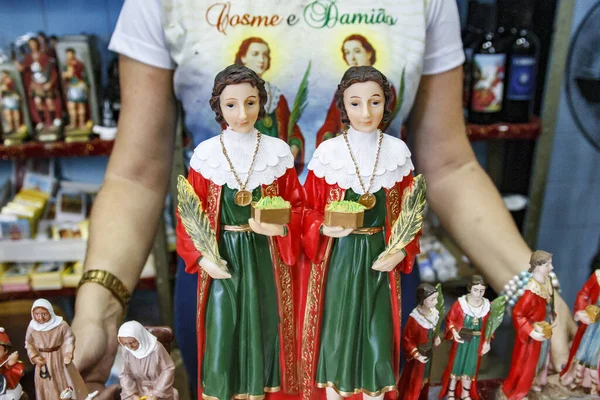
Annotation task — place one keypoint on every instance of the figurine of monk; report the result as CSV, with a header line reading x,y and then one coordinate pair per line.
x,y
50,344
148,370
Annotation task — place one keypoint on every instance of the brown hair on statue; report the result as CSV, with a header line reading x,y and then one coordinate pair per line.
x,y
234,75
363,74
424,290
538,258
476,280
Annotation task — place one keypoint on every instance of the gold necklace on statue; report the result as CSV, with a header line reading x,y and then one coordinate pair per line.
x,y
475,319
243,197
366,199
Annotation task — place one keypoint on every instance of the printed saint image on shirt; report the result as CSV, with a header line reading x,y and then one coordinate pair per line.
x,y
357,51
255,53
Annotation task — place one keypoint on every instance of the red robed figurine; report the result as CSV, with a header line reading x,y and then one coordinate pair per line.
x,y
533,319
11,370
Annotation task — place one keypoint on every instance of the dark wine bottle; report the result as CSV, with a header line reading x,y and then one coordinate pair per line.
x,y
487,74
522,65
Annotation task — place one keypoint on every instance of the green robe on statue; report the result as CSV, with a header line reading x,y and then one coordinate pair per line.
x,y
241,322
356,348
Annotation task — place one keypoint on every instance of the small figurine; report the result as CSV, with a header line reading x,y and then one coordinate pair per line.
x,y
77,90
357,51
278,121
13,123
50,344
40,76
418,341
148,370
585,350
533,319
11,370
470,325
351,341
246,327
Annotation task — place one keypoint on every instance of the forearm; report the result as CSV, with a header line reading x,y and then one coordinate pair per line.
x,y
476,217
122,226
128,207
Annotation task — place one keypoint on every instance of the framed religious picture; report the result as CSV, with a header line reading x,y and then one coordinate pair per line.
x,y
16,123
80,87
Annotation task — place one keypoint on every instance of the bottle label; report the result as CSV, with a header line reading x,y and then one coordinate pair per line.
x,y
488,82
521,80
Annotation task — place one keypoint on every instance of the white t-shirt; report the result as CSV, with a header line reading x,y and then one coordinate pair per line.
x,y
199,38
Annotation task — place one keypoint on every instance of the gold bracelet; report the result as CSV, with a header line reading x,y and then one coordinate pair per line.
x,y
109,281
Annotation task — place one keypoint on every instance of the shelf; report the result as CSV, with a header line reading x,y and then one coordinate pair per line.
x,y
28,250
144,284
95,147
501,130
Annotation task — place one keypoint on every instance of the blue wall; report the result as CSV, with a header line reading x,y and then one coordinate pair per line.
x,y
570,225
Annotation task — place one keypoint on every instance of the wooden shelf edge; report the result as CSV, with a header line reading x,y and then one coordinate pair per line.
x,y
95,147
144,284
501,130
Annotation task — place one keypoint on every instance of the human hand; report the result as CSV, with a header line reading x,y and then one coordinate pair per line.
x,y
336,231
213,269
456,336
266,229
562,334
13,358
583,317
389,263
68,357
421,358
97,315
486,348
539,336
437,341
39,361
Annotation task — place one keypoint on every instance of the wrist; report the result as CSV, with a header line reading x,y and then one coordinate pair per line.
x,y
94,302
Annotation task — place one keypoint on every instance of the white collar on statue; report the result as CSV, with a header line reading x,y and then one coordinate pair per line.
x,y
475,312
272,160
332,161
429,322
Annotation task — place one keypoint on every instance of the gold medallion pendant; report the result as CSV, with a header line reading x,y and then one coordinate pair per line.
x,y
368,200
243,198
267,121
476,321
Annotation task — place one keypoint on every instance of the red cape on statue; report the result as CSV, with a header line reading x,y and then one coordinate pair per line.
x,y
12,374
314,270
586,296
284,251
455,319
529,309
412,384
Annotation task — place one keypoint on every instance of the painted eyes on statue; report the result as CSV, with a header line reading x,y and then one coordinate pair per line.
x,y
231,106
374,103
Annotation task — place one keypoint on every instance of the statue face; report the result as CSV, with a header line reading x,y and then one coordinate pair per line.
x,y
431,301
355,54
257,58
545,268
41,315
130,342
365,104
240,106
477,291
